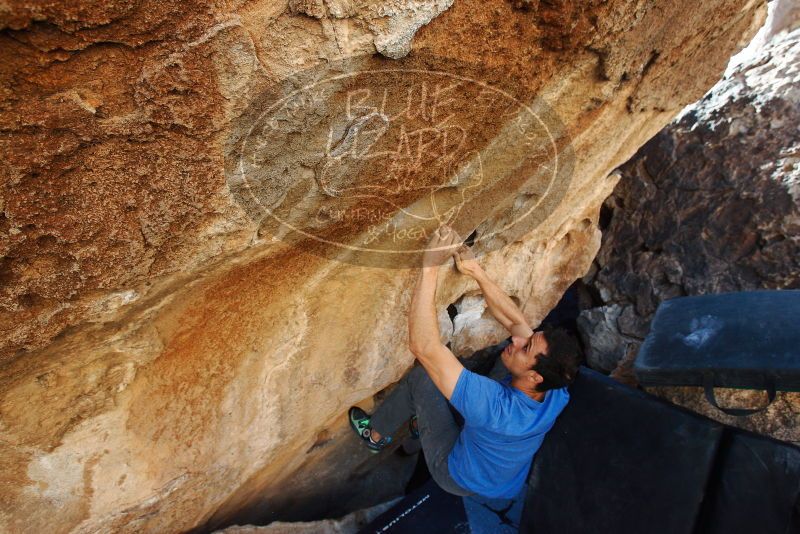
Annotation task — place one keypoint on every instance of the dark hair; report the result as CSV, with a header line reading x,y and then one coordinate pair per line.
x,y
560,364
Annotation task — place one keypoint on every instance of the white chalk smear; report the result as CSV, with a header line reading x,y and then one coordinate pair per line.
x,y
702,330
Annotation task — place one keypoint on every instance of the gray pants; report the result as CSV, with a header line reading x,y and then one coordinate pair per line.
x,y
438,427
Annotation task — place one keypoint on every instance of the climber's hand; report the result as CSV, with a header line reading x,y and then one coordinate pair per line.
x,y
466,262
442,245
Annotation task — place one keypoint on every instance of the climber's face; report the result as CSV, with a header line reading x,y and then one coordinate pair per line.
x,y
522,353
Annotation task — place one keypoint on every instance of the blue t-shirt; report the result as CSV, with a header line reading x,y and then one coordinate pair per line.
x,y
503,429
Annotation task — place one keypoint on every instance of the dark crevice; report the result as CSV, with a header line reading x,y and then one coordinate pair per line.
x,y
602,55
606,214
650,61
471,238
452,311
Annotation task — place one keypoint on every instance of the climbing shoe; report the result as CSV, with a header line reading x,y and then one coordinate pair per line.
x,y
411,445
359,421
413,428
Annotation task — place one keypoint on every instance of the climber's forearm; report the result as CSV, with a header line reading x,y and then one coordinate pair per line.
x,y
423,325
501,306
423,332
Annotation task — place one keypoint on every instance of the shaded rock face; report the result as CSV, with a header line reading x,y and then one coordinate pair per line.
x,y
170,356
711,204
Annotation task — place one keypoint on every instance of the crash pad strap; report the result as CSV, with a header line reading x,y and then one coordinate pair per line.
x,y
708,385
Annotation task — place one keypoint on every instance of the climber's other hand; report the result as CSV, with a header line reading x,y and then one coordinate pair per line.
x,y
466,262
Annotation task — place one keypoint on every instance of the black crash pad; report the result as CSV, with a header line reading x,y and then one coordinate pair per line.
x,y
749,339
431,510
754,487
620,461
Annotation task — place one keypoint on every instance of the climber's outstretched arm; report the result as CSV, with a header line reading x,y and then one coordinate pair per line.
x,y
423,324
502,307
500,304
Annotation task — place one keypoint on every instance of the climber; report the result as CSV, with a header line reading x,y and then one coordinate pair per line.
x,y
485,445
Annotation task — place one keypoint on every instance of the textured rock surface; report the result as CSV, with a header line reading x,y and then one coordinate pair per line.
x,y
349,524
711,204
784,16
166,363
601,337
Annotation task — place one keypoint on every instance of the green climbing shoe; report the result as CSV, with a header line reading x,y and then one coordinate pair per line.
x,y
359,421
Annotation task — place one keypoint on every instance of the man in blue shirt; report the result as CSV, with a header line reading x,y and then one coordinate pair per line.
x,y
504,423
